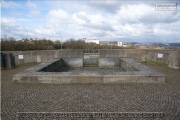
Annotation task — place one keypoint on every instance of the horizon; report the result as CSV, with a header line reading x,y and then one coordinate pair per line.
x,y
125,21
92,39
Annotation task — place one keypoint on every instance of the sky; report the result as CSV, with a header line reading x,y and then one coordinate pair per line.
x,y
106,20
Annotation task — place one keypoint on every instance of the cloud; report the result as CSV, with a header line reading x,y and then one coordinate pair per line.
x,y
31,5
136,30
92,21
58,16
81,18
144,14
9,4
125,21
78,24
110,6
33,9
43,31
35,13
141,20
8,22
171,29
10,27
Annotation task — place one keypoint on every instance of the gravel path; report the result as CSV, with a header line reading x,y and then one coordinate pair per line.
x,y
91,97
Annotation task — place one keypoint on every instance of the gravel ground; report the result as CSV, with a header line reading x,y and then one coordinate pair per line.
x,y
91,97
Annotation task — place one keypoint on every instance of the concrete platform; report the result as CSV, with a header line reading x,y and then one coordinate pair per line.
x,y
134,73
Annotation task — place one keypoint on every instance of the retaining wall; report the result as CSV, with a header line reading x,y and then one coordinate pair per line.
x,y
168,57
110,62
75,57
72,57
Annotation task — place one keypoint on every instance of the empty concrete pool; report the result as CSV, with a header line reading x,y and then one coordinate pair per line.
x,y
96,70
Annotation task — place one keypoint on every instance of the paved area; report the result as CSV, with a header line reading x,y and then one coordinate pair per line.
x,y
164,97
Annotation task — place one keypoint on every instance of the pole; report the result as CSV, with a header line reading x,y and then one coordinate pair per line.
x,y
61,45
111,42
61,42
5,40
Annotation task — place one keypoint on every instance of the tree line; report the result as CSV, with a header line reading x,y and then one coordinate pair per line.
x,y
10,44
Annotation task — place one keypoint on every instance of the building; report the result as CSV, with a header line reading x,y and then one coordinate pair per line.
x,y
120,44
92,41
104,42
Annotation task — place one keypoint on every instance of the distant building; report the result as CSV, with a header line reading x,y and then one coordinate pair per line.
x,y
92,41
125,46
120,44
104,42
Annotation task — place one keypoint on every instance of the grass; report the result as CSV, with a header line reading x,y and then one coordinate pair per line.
x,y
26,64
22,65
91,65
103,67
177,68
155,63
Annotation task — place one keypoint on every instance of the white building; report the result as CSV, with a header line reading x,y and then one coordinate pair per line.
x,y
120,44
92,41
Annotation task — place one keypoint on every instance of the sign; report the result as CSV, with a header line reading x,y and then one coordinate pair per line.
x,y
21,57
160,55
166,7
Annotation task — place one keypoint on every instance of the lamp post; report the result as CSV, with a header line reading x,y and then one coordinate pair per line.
x,y
111,42
5,40
61,45
61,42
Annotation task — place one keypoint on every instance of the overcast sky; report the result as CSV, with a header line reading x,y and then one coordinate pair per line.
x,y
135,21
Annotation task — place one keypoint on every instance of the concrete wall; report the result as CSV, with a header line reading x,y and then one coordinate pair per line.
x,y
174,60
91,61
29,56
72,57
108,62
170,57
75,62
110,58
113,53
75,57
8,61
